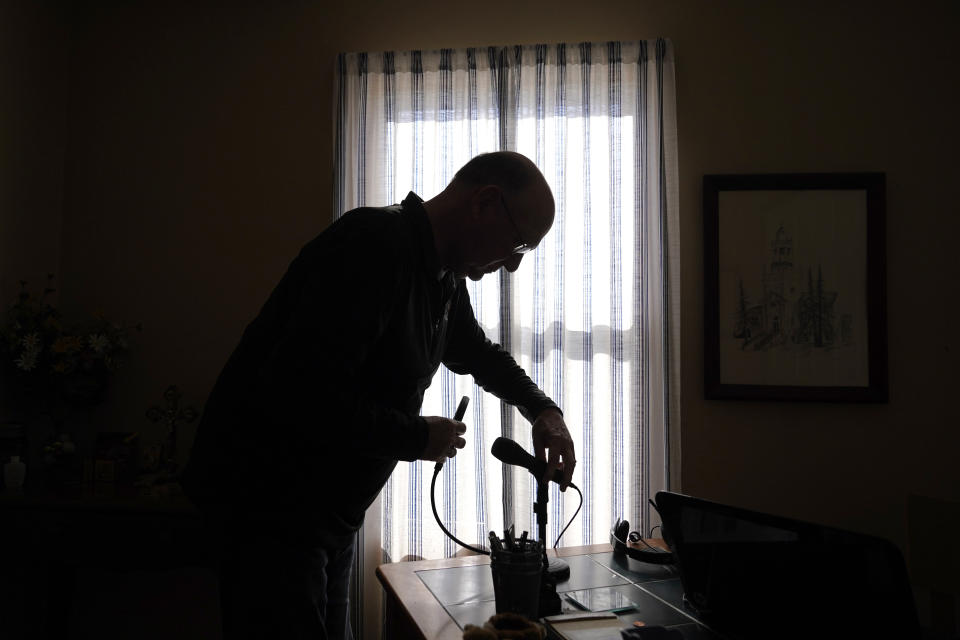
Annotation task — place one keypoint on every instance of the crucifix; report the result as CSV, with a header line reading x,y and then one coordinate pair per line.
x,y
171,414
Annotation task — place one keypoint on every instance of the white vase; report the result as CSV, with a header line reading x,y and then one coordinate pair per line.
x,y
14,473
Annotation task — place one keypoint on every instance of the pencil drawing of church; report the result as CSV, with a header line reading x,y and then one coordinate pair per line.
x,y
794,309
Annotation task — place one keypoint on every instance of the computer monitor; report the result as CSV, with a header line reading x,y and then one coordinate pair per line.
x,y
755,575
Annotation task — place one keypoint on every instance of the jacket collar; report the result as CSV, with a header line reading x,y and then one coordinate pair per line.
x,y
413,206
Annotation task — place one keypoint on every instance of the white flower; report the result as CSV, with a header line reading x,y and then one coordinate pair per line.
x,y
30,342
28,359
98,342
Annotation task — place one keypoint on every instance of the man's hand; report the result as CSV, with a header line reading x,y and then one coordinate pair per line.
x,y
550,433
443,438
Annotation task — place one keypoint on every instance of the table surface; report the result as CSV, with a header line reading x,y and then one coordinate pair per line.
x,y
441,596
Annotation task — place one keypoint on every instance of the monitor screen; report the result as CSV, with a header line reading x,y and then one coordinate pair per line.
x,y
765,576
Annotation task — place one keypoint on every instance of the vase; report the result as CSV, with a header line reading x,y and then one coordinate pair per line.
x,y
14,473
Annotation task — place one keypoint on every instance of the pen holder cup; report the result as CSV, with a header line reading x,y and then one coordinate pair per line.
x,y
516,581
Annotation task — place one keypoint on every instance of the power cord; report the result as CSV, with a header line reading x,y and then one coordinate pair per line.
x,y
458,415
557,541
433,505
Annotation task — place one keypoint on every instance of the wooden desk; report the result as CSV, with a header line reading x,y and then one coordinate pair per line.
x,y
412,611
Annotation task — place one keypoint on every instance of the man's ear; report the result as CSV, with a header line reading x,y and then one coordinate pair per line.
x,y
484,198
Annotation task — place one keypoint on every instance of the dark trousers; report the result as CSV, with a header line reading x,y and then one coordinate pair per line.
x,y
271,587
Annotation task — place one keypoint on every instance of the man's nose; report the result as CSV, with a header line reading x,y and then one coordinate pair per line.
x,y
513,262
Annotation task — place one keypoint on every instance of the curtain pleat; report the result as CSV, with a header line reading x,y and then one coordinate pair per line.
x,y
592,315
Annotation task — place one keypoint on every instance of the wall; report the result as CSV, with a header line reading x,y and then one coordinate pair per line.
x,y
200,161
33,44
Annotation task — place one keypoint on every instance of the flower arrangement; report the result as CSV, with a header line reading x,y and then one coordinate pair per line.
x,y
46,361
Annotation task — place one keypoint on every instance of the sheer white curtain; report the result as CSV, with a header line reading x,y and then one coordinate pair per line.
x,y
593,315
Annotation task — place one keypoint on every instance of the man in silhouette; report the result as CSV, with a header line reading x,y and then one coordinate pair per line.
x,y
322,395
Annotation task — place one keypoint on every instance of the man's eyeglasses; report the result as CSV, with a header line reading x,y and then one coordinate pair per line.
x,y
521,246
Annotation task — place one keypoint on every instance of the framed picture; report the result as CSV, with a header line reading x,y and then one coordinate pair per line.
x,y
794,287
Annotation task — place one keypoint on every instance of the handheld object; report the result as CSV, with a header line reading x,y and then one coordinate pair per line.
x,y
461,408
509,452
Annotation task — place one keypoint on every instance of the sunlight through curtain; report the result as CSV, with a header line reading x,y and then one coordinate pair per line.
x,y
593,315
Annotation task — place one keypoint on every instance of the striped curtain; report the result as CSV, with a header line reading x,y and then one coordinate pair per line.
x,y
593,315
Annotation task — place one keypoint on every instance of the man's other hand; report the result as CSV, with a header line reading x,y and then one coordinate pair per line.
x,y
550,434
443,439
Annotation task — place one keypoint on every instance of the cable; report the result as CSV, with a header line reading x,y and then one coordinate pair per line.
x,y
557,541
461,410
651,547
656,526
458,415
433,505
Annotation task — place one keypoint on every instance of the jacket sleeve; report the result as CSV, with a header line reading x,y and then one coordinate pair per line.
x,y
468,350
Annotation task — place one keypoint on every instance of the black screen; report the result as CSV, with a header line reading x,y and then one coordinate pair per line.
x,y
757,575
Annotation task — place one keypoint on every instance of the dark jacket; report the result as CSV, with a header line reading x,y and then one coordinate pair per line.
x,y
322,395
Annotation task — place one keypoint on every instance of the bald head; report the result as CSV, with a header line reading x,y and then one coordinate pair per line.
x,y
508,170
497,207
522,184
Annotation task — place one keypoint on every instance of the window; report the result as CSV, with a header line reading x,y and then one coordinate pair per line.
x,y
592,315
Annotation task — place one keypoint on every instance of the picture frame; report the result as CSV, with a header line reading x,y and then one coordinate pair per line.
x,y
795,287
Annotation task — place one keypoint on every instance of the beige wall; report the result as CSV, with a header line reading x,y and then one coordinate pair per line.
x,y
200,161
33,107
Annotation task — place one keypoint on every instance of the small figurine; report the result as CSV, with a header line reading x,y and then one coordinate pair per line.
x,y
171,414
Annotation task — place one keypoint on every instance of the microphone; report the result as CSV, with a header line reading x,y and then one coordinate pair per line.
x,y
509,452
461,408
